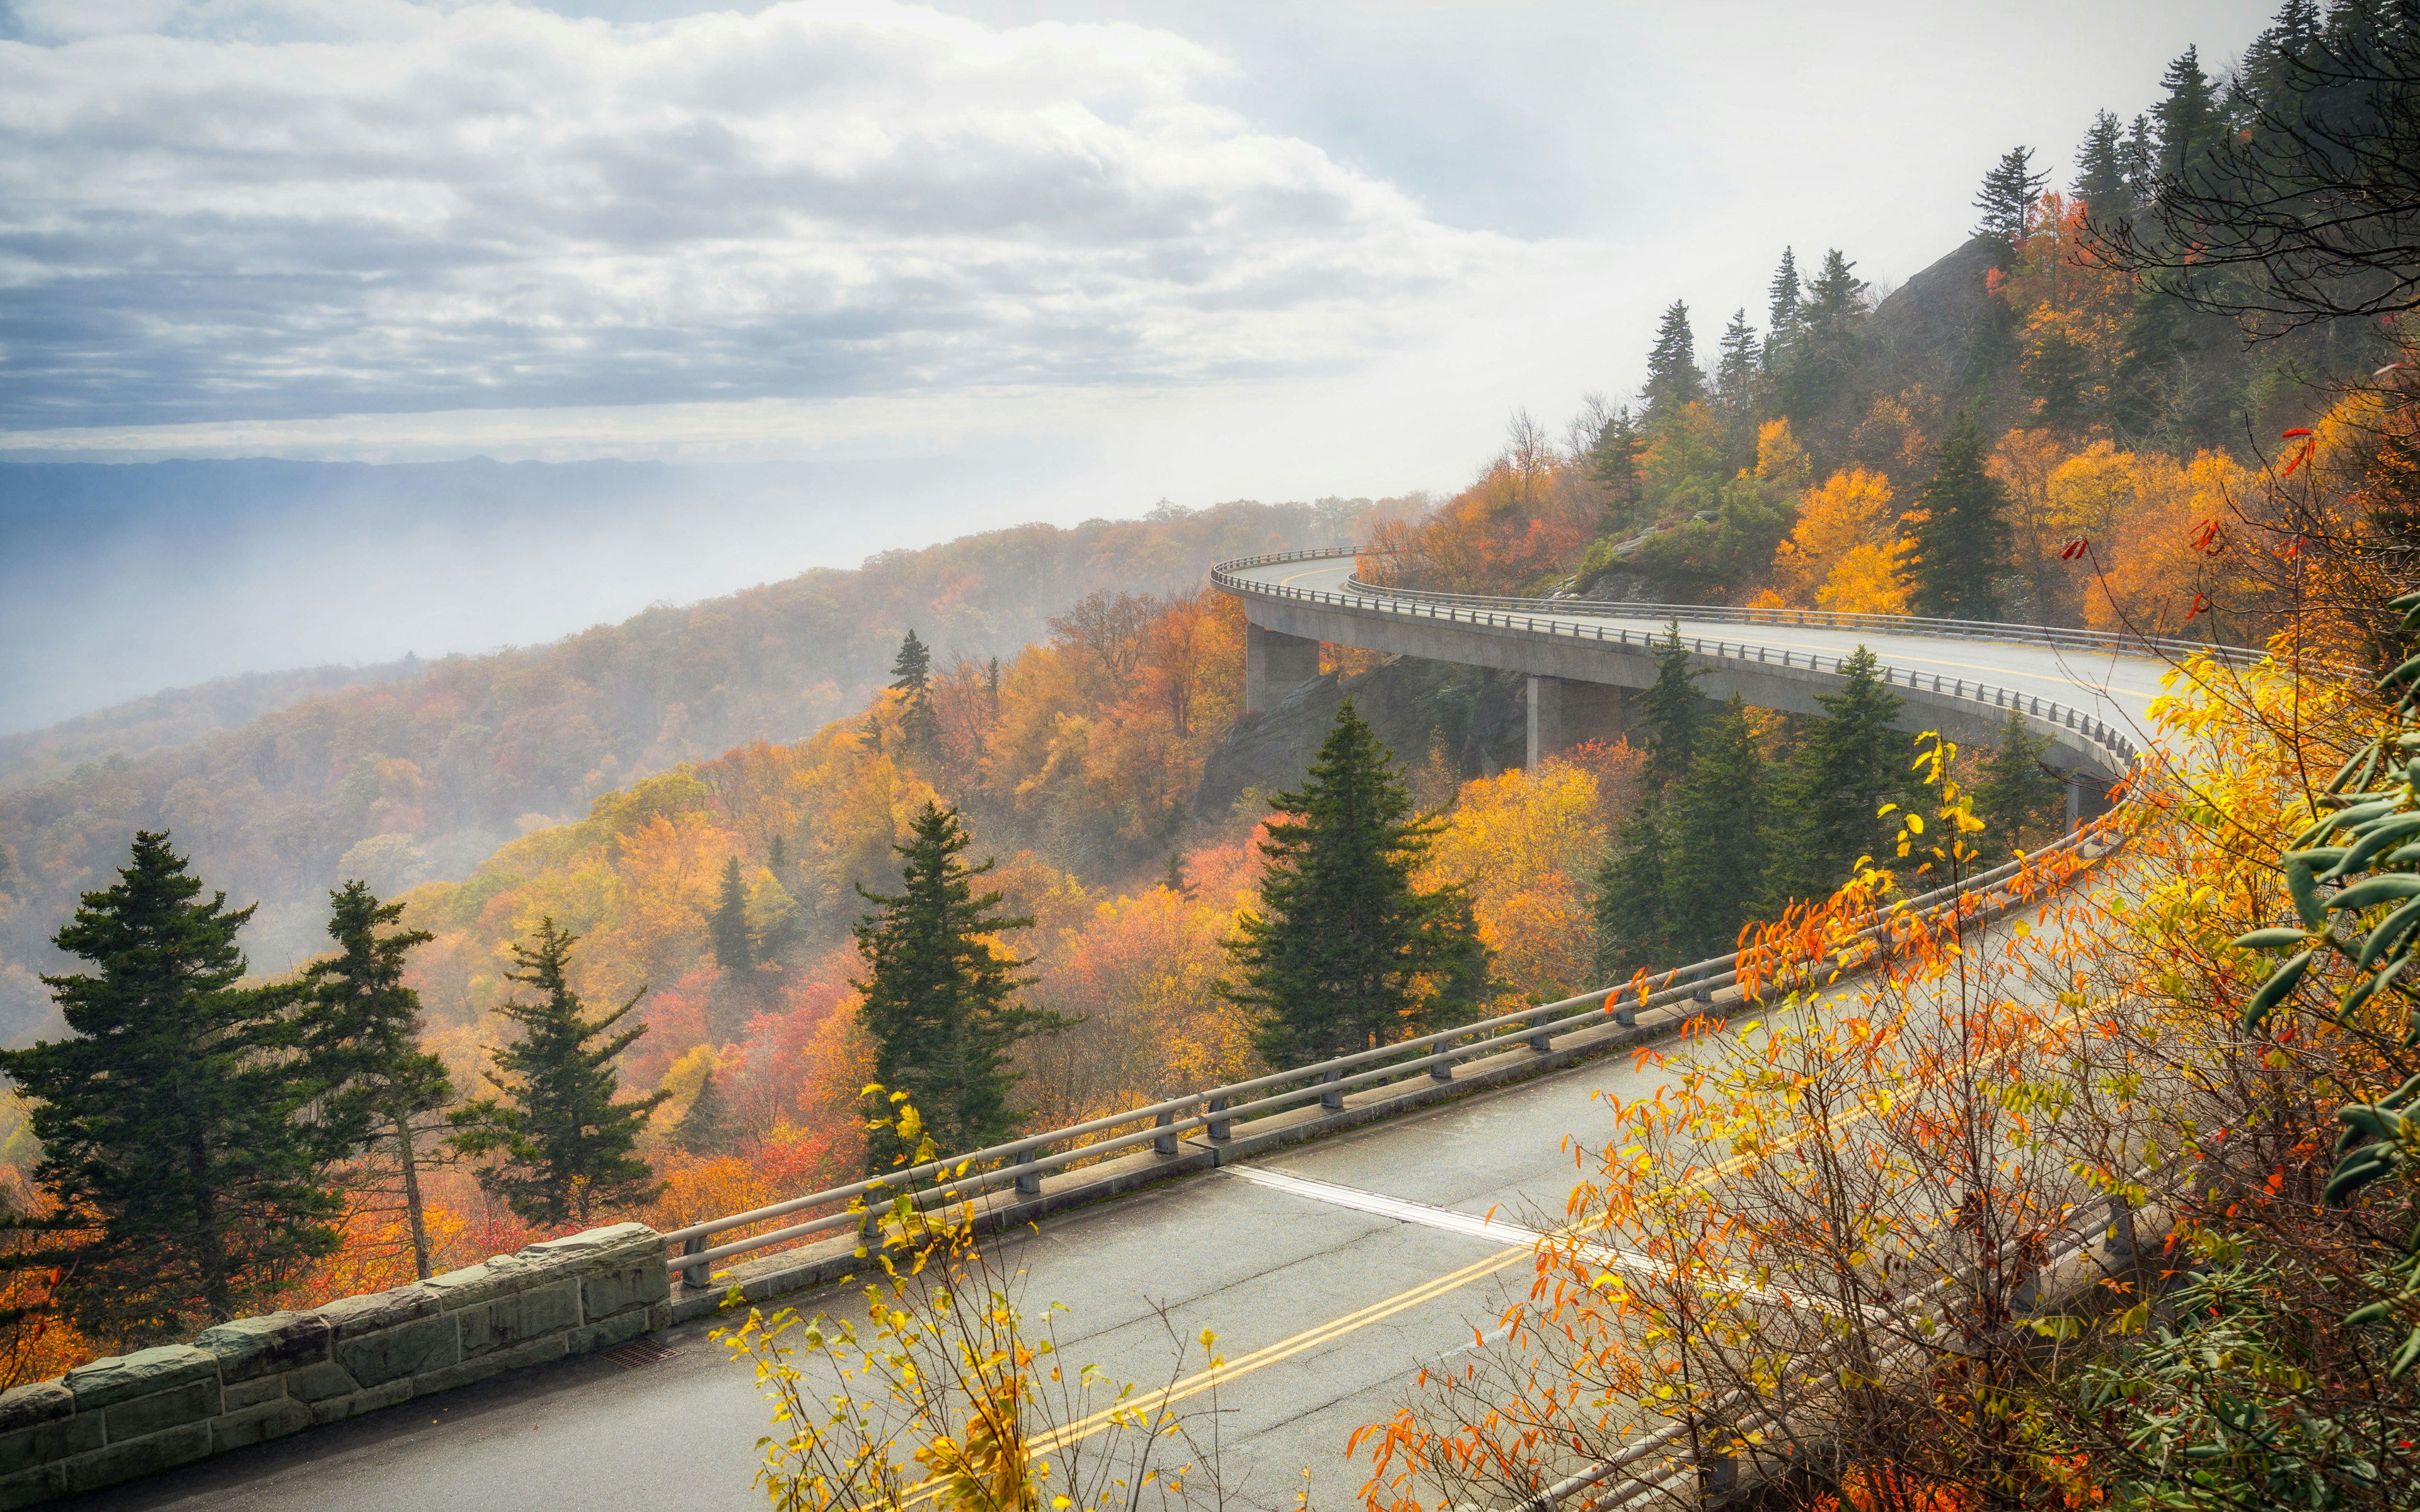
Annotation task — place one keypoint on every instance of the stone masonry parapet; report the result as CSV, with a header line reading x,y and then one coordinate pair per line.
x,y
257,1379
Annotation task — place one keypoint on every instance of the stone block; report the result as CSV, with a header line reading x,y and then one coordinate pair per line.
x,y
659,1317
606,1334
596,1249
257,1425
319,1382
44,1402
188,1403
245,1394
38,1443
353,1316
499,1275
120,1378
252,1346
516,1320
136,1456
26,1488
537,1352
615,1288
337,1409
407,1350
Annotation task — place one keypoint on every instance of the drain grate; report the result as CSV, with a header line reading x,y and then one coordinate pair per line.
x,y
637,1352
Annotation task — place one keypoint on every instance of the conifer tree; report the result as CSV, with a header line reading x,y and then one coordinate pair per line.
x,y
1634,929
704,1125
1714,838
567,1145
920,727
1674,381
1742,355
2007,194
1835,301
2020,802
169,1124
365,1034
1613,462
1345,952
1960,531
2100,169
1823,350
2188,116
1782,309
727,927
939,1000
1851,761
1672,709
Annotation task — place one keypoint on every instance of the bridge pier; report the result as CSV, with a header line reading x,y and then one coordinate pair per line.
x,y
1274,664
1564,712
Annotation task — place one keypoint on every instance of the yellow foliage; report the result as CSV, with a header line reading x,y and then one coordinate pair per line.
x,y
1526,843
1845,553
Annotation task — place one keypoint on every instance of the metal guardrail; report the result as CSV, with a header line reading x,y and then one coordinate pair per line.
x,y
1214,1111
1359,593
2115,742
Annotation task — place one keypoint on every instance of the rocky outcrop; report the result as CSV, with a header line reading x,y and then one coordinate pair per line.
x,y
1408,701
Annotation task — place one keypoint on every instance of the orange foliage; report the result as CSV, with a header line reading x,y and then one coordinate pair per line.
x,y
1846,552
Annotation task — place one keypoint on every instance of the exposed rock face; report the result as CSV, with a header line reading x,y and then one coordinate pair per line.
x,y
1941,328
1408,701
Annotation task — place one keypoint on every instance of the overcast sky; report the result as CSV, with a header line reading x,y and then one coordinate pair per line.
x,y
1102,254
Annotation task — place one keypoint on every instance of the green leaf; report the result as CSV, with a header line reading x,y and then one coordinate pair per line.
x,y
2377,838
2270,939
2389,933
2372,892
2273,991
2360,1168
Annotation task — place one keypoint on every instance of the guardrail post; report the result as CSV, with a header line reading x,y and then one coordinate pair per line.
x,y
1219,1128
694,1276
1028,1180
1164,1143
1441,1067
1542,1039
2121,1242
1626,1015
1332,1100
1717,1474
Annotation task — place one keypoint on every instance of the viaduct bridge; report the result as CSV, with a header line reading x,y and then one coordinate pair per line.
x,y
1340,1225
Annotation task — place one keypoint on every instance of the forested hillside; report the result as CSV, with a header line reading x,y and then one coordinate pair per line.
x,y
411,780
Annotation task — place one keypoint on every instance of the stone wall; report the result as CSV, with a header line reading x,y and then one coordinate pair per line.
x,y
257,1379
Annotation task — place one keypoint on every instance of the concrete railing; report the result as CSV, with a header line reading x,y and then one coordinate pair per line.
x,y
1358,593
258,1378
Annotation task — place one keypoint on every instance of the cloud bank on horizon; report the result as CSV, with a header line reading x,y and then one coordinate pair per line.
x,y
214,209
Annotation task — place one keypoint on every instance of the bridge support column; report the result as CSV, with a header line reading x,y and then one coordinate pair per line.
x,y
1274,664
1564,713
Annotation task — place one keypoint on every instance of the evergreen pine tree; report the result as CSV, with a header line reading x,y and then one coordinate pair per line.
x,y
705,1126
1345,952
727,926
920,727
2100,170
168,1123
2007,194
1613,462
1822,348
2189,115
1852,761
1835,301
1735,370
1714,838
2019,800
1782,309
2141,156
1634,929
566,1144
1674,381
937,999
1672,709
1960,531
365,1034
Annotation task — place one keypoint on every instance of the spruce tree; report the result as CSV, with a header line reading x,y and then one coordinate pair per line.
x,y
567,1145
1851,761
911,674
2018,798
364,1033
1960,531
1714,838
705,1126
1345,952
2188,116
1735,370
735,952
1674,381
1613,462
1823,352
2100,170
2008,195
1634,929
939,1000
1782,294
1672,709
169,1124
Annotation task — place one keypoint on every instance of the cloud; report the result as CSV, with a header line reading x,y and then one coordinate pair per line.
x,y
215,211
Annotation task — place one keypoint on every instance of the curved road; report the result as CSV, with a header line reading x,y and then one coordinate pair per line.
x,y
1333,1270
